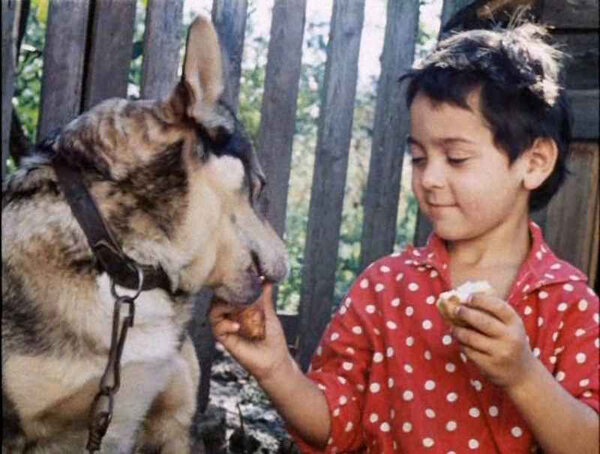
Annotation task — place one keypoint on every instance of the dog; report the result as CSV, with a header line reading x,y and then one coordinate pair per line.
x,y
179,185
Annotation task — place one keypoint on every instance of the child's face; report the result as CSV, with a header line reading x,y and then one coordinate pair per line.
x,y
463,182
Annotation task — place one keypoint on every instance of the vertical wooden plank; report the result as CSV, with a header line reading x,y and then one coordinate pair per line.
x,y
389,132
109,57
162,41
229,17
64,57
8,74
331,162
571,217
278,113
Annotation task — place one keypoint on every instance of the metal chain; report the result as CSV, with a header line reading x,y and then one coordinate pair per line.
x,y
103,404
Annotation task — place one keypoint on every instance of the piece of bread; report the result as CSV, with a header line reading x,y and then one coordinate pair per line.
x,y
448,302
251,320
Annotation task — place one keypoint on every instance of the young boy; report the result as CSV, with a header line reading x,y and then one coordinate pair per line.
x,y
489,140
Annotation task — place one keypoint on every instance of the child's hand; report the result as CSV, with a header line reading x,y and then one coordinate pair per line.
x,y
495,339
261,358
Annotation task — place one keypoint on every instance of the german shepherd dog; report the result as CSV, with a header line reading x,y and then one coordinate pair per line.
x,y
178,184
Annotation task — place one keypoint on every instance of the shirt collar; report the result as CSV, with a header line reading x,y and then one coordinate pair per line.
x,y
541,267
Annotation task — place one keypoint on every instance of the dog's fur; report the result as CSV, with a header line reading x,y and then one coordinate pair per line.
x,y
173,197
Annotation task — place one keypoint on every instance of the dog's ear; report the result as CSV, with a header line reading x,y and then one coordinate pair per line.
x,y
202,80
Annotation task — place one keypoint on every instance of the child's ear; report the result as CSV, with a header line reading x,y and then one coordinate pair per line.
x,y
540,160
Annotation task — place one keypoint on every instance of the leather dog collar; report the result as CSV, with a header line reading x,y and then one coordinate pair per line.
x,y
120,267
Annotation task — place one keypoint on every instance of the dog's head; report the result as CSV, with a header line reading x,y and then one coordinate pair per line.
x,y
179,182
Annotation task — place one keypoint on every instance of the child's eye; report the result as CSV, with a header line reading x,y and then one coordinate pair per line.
x,y
418,161
457,161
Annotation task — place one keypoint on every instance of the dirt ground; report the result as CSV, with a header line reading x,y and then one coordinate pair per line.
x,y
240,418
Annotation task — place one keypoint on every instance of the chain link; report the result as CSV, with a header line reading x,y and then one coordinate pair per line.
x,y
103,404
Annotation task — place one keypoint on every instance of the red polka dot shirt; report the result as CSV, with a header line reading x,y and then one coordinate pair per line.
x,y
396,381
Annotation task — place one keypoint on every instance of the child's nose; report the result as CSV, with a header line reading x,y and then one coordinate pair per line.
x,y
433,175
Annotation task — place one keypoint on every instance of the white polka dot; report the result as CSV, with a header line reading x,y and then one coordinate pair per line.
x,y
433,273
493,411
319,350
348,302
378,357
560,376
427,355
528,310
321,387
350,350
430,413
562,307
374,387
568,287
347,366
374,417
451,397
516,431
335,336
536,352
390,382
584,382
379,287
451,426
408,368
543,295
473,444
342,380
360,387
429,385
385,427
428,442
409,311
463,357
364,283
580,332
399,277
450,367
410,341
413,286
391,325
389,352
376,331
357,330
597,343
474,412
596,317
407,395
477,385
406,427
556,266
384,269
417,253
343,310
552,360
447,339
427,324
580,358
343,400
370,309
583,305
392,413
349,426
336,412
430,299
540,321
395,302
538,254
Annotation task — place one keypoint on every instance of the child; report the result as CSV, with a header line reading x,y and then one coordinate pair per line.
x,y
489,140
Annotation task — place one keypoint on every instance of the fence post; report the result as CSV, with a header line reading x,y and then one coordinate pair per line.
x,y
109,57
389,132
64,56
162,41
8,75
229,17
331,162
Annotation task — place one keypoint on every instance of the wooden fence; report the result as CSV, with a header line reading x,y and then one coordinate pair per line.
x,y
87,58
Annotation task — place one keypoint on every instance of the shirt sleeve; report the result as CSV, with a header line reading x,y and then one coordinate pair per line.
x,y
340,368
577,348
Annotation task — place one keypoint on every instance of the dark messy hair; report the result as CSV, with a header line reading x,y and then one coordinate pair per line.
x,y
521,96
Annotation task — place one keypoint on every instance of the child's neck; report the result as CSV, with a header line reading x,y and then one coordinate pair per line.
x,y
495,256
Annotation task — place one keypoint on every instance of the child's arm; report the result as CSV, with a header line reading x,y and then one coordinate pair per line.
x,y
299,401
499,346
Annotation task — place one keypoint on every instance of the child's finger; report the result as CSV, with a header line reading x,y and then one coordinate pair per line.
x,y
493,305
225,327
482,321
